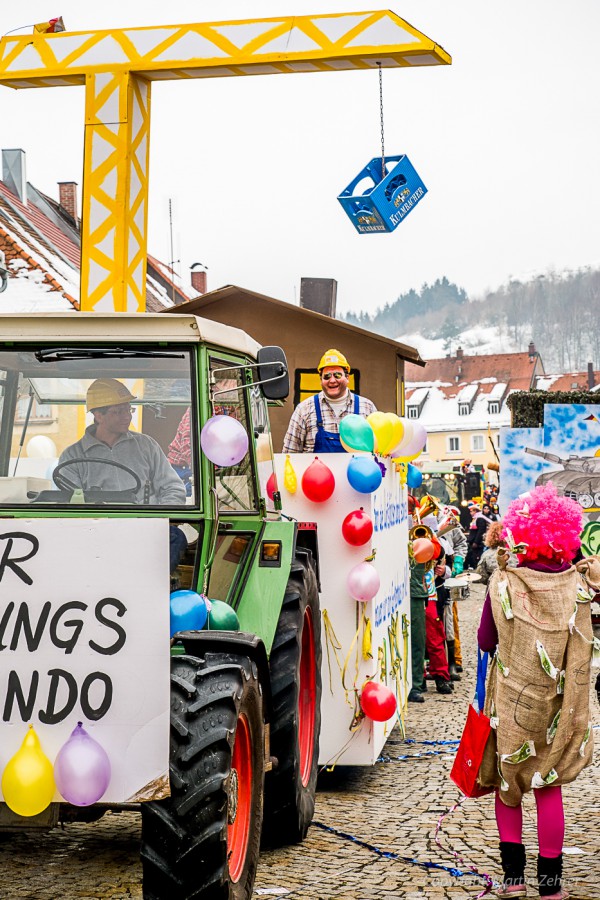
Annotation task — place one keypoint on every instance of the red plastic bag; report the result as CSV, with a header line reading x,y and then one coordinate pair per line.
x,y
470,754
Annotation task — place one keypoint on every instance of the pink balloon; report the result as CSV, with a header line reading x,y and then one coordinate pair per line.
x,y
82,769
363,582
224,440
416,443
407,433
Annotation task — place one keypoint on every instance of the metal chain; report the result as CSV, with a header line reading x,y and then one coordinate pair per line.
x,y
381,121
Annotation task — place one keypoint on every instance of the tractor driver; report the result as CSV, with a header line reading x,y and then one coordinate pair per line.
x,y
110,439
314,426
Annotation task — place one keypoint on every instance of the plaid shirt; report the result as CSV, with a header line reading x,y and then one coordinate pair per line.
x,y
180,449
302,430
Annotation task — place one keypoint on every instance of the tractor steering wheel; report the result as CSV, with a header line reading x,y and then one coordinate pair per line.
x,y
65,485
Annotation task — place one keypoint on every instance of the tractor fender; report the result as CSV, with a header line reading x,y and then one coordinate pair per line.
x,y
198,643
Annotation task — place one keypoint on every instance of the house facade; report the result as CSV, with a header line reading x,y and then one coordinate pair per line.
x,y
461,401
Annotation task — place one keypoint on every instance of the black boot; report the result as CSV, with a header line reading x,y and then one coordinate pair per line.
x,y
549,873
513,861
452,662
441,686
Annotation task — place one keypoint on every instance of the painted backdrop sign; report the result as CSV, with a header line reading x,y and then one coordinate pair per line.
x,y
564,451
84,637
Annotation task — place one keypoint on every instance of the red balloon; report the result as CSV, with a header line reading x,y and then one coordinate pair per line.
x,y
423,550
318,483
377,701
357,527
272,485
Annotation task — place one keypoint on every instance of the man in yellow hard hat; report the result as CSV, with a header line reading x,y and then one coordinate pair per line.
x,y
314,426
111,458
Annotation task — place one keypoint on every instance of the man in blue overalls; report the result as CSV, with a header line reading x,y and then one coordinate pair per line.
x,y
314,426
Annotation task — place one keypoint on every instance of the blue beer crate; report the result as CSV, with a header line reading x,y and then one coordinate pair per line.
x,y
386,201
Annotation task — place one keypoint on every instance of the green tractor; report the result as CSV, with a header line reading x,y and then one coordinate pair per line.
x,y
240,760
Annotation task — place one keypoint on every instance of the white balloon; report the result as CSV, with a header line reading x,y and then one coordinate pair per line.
x,y
41,447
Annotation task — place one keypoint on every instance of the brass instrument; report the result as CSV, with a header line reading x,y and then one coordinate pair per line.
x,y
420,531
427,507
448,523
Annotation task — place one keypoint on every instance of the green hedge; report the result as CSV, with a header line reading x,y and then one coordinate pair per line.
x,y
527,407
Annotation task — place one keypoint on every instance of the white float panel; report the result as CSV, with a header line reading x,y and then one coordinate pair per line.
x,y
387,507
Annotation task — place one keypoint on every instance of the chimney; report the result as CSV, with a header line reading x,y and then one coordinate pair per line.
x,y
67,198
459,353
199,280
532,351
13,173
591,376
319,294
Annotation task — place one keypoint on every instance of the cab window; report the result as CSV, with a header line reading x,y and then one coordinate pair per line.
x,y
97,426
235,484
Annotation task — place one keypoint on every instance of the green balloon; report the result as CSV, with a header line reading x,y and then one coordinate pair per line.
x,y
357,434
222,617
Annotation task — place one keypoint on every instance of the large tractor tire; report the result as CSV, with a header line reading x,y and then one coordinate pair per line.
x,y
204,841
295,664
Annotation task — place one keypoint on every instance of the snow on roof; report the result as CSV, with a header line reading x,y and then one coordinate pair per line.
x,y
498,391
29,292
467,393
440,413
418,396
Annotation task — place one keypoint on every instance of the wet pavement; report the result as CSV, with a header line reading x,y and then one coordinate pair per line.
x,y
391,808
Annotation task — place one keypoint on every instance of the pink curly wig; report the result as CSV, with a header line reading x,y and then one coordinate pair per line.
x,y
550,525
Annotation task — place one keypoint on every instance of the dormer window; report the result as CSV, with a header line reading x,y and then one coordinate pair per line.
x,y
464,409
412,412
493,407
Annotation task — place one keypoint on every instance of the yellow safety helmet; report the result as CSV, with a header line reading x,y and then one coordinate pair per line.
x,y
333,358
107,392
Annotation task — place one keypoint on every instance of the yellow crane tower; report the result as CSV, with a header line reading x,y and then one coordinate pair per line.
x,y
118,67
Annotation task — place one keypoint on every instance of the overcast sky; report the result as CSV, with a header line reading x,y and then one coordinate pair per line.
x,y
507,140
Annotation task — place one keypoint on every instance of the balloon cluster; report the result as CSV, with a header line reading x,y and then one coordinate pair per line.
x,y
190,611
81,772
385,434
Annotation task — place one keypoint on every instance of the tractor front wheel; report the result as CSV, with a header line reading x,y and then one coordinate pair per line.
x,y
203,842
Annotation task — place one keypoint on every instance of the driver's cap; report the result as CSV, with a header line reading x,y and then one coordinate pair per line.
x,y
107,392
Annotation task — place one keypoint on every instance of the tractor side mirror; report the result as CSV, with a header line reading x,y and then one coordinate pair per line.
x,y
273,373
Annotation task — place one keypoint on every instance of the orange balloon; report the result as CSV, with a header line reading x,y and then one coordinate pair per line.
x,y
423,550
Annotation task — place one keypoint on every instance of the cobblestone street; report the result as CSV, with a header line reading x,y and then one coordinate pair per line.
x,y
393,807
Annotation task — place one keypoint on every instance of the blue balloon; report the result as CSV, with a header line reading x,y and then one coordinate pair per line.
x,y
188,611
414,477
364,474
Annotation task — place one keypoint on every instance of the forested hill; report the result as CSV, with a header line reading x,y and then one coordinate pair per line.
x,y
559,312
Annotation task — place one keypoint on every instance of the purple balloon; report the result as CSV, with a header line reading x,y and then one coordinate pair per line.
x,y
82,769
224,440
416,443
363,582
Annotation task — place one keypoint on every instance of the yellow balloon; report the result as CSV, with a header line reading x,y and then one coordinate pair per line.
x,y
382,429
289,476
397,431
28,779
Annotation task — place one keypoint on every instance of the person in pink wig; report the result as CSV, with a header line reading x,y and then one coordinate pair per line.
x,y
536,620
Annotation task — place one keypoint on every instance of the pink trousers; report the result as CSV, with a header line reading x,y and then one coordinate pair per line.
x,y
550,820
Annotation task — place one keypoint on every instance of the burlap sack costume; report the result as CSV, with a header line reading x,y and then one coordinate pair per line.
x,y
538,688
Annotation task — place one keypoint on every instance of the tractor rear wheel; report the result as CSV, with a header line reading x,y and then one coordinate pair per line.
x,y
203,842
295,664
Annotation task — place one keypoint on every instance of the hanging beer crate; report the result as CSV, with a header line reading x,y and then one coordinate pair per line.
x,y
385,201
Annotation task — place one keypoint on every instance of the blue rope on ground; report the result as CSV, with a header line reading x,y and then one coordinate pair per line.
x,y
422,755
387,854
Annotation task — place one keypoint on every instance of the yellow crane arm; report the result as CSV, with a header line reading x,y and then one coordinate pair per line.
x,y
117,68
